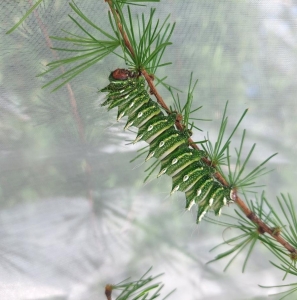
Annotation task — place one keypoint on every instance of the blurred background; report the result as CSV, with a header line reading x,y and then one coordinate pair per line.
x,y
75,214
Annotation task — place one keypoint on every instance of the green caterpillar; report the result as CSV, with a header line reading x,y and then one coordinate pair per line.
x,y
189,174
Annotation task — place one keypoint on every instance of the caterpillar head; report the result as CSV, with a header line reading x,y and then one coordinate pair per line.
x,y
120,74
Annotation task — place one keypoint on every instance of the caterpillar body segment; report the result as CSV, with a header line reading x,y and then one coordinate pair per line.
x,y
143,114
154,127
183,157
128,108
165,143
186,179
193,193
201,213
189,173
127,98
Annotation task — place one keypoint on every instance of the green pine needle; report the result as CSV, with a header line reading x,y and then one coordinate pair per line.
x,y
148,39
287,222
143,289
286,293
248,232
88,21
162,82
33,7
133,2
90,50
217,153
87,49
237,178
243,240
153,167
186,110
141,151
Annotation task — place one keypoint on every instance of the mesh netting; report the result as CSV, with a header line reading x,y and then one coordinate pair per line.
x,y
75,214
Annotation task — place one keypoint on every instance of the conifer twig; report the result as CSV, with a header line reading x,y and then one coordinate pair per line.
x,y
262,226
143,71
108,290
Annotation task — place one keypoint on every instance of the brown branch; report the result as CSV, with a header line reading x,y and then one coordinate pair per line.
x,y
120,27
153,90
130,48
108,290
262,226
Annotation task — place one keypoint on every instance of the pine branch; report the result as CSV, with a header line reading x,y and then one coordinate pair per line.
x,y
262,226
261,223
32,8
126,37
144,72
143,288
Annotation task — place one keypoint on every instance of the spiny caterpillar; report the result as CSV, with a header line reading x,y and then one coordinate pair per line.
x,y
189,173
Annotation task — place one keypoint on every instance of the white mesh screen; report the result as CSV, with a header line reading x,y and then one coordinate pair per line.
x,y
75,214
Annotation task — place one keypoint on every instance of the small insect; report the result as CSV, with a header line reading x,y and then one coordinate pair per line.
x,y
190,175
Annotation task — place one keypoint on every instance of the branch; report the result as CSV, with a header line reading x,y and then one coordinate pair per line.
x,y
130,48
108,290
262,226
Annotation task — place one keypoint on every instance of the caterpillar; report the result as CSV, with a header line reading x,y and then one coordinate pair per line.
x,y
170,146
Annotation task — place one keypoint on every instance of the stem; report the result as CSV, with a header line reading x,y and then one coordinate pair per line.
x,y
262,226
108,290
130,48
120,27
154,91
